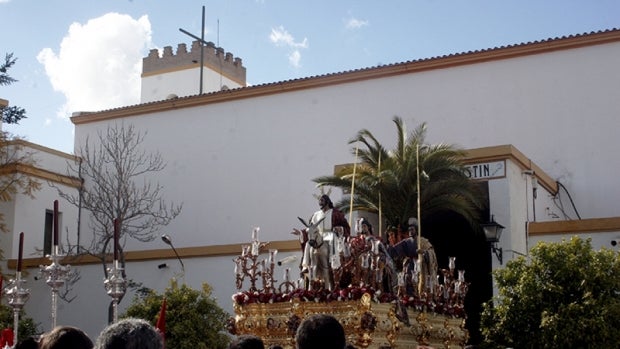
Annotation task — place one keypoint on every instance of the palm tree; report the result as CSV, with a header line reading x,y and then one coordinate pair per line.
x,y
386,180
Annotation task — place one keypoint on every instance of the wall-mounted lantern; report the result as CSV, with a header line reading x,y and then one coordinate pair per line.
x,y
493,231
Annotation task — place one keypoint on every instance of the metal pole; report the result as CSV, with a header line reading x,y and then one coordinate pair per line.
x,y
417,167
202,50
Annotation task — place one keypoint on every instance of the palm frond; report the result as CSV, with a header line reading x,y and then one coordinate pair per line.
x,y
391,176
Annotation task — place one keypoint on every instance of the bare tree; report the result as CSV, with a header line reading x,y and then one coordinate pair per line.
x,y
116,172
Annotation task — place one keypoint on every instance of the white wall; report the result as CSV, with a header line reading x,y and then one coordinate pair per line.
x,y
182,83
234,165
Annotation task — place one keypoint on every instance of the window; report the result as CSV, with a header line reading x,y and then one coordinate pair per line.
x,y
48,231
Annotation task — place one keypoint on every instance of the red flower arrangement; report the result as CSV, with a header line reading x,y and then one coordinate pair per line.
x,y
351,293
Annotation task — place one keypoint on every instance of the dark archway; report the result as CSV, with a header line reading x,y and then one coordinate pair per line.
x,y
452,236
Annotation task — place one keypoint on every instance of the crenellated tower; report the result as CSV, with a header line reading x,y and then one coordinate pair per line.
x,y
178,75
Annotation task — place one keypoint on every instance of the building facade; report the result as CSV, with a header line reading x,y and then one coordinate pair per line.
x,y
539,121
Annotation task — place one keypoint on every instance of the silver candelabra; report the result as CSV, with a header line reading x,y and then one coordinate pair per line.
x,y
55,276
17,296
115,286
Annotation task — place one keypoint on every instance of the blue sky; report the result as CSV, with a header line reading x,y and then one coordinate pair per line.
x,y
85,55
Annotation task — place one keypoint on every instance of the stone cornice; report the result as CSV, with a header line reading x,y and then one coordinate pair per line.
x,y
41,174
591,225
508,151
158,254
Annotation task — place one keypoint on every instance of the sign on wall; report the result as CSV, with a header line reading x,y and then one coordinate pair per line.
x,y
487,170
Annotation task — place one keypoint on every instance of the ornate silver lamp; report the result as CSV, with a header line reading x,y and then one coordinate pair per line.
x,y
115,284
15,292
55,274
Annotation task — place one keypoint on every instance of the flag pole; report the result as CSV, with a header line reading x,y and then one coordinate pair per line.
x,y
353,185
380,206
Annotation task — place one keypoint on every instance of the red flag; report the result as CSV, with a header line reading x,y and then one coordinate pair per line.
x,y
161,321
7,337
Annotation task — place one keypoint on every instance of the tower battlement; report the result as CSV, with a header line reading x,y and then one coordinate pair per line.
x,y
215,58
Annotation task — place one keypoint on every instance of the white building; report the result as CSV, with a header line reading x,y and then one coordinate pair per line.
x,y
539,120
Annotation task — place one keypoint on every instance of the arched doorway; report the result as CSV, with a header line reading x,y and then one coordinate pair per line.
x,y
452,236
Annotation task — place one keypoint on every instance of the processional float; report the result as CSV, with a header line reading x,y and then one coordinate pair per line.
x,y
372,316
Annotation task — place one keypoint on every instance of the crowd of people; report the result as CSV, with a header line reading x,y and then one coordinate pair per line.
x,y
317,331
125,334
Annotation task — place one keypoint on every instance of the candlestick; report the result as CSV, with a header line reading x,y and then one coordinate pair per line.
x,y
55,276
272,256
21,252
55,222
16,294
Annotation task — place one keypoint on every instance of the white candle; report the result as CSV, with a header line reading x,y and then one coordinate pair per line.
x,y
272,256
255,234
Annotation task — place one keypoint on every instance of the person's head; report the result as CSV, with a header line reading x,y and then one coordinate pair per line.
x,y
325,202
130,334
320,331
366,227
392,236
247,341
63,337
28,343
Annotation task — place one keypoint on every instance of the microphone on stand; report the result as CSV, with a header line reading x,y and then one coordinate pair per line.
x,y
287,260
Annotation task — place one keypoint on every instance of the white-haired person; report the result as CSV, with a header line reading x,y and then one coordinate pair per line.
x,y
130,333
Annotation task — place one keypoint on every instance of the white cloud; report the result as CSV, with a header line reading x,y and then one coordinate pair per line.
x,y
294,58
99,63
354,23
281,38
